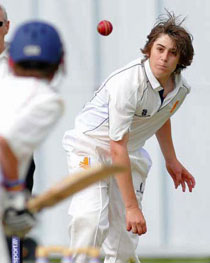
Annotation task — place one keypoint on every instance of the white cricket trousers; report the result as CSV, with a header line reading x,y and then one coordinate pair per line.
x,y
97,214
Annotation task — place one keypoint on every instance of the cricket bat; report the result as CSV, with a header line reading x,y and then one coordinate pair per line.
x,y
70,185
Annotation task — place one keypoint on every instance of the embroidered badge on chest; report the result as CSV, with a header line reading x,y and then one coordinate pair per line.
x,y
174,106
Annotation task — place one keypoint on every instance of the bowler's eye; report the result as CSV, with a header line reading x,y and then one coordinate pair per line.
x,y
174,52
160,49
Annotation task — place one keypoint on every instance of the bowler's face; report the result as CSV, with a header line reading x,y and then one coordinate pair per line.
x,y
4,28
163,57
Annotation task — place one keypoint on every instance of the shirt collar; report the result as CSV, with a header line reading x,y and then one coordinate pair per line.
x,y
179,81
153,81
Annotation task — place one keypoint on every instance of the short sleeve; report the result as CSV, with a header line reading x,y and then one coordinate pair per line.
x,y
123,97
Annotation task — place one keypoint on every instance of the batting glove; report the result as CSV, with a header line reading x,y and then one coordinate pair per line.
x,y
17,220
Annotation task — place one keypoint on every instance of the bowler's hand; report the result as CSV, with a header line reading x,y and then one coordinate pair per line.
x,y
135,221
180,175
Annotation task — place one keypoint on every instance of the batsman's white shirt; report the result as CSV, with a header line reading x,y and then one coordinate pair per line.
x,y
29,107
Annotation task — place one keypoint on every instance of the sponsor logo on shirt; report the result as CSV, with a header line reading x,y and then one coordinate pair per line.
x,y
141,188
85,164
144,113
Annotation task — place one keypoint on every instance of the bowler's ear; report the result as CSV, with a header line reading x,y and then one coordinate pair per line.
x,y
147,55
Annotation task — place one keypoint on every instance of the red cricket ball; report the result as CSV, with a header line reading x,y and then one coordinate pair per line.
x,y
104,27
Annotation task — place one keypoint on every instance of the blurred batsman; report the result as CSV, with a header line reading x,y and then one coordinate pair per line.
x,y
29,108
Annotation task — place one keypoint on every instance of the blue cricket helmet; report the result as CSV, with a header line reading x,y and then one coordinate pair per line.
x,y
36,41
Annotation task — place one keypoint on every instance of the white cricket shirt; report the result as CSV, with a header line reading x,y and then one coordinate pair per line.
x,y
29,107
128,101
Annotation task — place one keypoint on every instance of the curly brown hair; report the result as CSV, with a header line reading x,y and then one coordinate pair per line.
x,y
182,39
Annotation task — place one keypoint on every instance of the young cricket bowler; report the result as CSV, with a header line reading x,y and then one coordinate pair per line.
x,y
29,108
134,103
